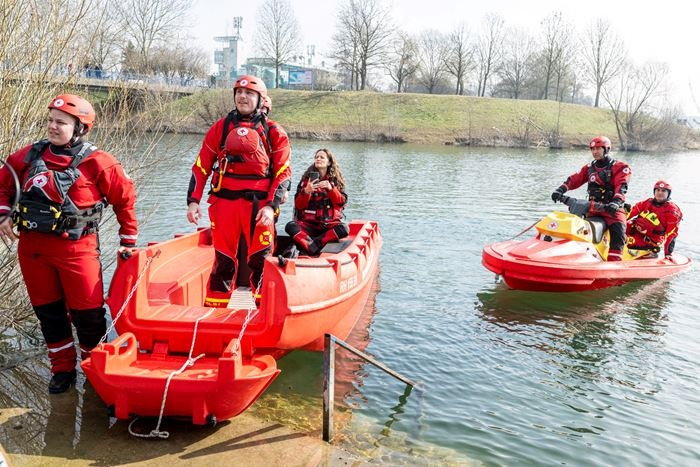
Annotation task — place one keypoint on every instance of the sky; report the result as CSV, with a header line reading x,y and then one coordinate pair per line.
x,y
663,31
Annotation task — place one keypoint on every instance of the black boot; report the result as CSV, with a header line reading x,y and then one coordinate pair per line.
x,y
61,381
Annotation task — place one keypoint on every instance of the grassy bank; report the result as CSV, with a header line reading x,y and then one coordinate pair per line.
x,y
416,118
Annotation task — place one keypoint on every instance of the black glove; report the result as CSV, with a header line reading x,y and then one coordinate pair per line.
x,y
556,195
612,207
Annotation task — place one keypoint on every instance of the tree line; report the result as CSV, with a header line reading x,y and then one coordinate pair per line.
x,y
557,61
133,37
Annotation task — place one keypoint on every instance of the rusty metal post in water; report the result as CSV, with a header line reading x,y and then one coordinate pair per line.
x,y
328,385
329,342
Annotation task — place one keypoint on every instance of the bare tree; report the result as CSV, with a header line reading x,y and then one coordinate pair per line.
x,y
405,63
147,23
363,33
39,41
488,50
564,67
192,62
460,56
631,97
106,36
433,53
277,35
604,55
554,37
518,53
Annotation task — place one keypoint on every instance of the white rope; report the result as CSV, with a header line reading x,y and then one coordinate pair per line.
x,y
156,433
128,297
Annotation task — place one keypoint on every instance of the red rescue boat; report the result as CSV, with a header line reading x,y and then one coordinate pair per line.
x,y
568,254
302,299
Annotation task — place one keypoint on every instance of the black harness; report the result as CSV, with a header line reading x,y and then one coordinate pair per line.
x,y
38,213
597,192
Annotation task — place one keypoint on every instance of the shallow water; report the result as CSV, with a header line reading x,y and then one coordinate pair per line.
x,y
507,377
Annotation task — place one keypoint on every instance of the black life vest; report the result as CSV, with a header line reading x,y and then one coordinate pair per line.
x,y
600,186
44,205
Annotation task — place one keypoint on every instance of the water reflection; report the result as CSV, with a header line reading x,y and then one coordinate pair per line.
x,y
295,398
592,348
509,308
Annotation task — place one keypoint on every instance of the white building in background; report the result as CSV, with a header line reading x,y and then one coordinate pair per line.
x,y
690,121
229,58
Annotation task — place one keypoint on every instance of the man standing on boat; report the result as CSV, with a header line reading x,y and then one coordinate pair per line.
x,y
653,223
248,157
607,185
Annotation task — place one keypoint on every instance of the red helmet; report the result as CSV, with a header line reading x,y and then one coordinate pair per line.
x,y
600,142
664,185
75,106
251,82
267,103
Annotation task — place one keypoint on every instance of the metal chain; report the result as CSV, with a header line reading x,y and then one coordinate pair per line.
x,y
128,297
156,433
249,317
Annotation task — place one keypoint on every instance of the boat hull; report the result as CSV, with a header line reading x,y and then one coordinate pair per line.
x,y
569,266
303,298
164,321
134,383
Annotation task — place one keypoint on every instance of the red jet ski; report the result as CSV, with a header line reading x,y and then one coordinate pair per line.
x,y
569,253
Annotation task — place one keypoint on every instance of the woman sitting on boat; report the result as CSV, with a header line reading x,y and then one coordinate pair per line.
x,y
318,205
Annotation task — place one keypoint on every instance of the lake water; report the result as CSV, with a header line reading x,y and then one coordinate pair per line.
x,y
597,378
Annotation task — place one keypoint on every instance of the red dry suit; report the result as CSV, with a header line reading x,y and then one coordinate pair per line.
x,y
607,182
652,225
249,161
317,216
59,259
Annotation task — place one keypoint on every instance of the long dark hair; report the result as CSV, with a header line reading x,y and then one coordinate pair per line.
x,y
334,174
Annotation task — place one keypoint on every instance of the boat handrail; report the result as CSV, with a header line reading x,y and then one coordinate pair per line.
x,y
330,342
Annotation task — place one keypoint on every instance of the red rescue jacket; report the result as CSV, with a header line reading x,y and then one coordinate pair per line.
x,y
605,184
321,207
102,179
655,223
262,170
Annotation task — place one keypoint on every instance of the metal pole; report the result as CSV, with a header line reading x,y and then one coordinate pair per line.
x,y
329,342
328,385
374,362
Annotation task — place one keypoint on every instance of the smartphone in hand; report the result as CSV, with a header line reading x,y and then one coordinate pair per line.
x,y
313,177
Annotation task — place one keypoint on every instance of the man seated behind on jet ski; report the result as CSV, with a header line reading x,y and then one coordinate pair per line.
x,y
653,223
607,184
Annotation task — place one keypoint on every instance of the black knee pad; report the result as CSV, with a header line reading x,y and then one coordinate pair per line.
x,y
90,325
292,228
341,230
54,321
